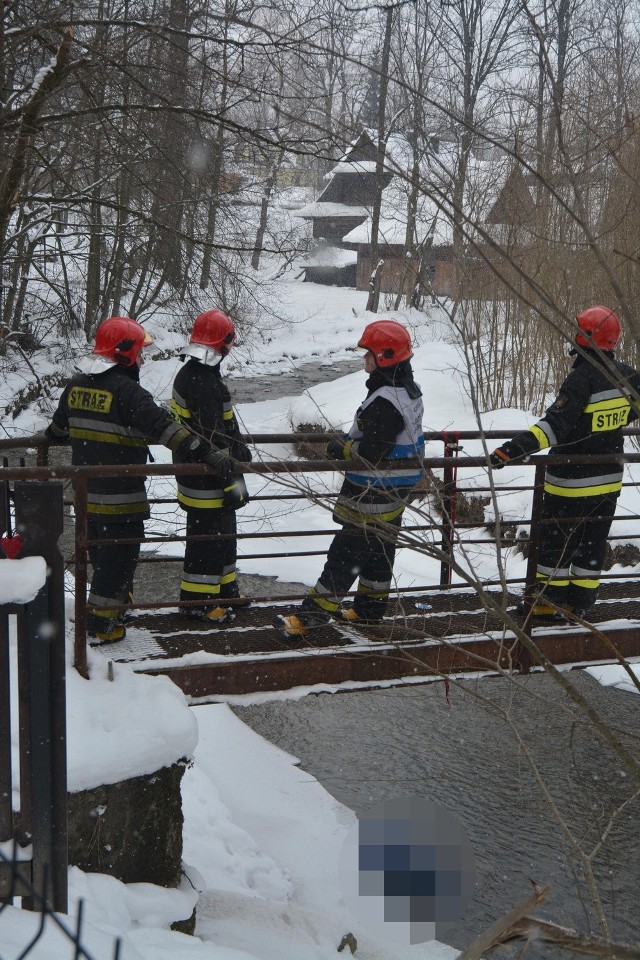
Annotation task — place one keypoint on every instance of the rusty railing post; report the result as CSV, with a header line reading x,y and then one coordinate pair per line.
x,y
534,536
449,505
524,658
44,772
42,453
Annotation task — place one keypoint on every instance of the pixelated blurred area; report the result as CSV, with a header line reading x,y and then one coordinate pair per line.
x,y
408,870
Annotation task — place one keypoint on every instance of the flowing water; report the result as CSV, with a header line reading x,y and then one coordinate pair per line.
x,y
514,760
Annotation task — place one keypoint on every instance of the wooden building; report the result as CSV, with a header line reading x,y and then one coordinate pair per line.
x,y
499,206
344,203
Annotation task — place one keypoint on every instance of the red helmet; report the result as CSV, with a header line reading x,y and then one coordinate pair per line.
x,y
214,329
388,341
600,326
120,340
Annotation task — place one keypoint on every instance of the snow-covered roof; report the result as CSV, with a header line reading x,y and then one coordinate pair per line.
x,y
365,141
486,180
328,256
431,221
320,209
352,166
393,231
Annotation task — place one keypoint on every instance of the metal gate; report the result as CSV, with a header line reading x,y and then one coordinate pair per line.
x,y
41,822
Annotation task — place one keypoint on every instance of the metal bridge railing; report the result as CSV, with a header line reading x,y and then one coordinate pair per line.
x,y
446,526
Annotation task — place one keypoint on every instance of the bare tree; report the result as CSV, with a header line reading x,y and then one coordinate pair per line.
x,y
382,130
476,38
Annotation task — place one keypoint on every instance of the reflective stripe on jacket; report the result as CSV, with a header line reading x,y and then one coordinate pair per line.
x,y
408,443
593,405
380,495
110,419
201,400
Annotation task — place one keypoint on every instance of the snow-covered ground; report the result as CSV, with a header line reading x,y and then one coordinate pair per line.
x,y
262,839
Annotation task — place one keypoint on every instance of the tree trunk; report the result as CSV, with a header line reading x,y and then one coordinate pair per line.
x,y
217,164
374,292
264,210
92,293
212,213
17,165
270,182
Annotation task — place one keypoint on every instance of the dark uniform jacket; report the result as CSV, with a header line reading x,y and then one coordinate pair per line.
x,y
110,419
387,426
593,405
201,401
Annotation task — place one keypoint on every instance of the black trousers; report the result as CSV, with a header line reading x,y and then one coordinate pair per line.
x,y
572,548
209,571
362,553
114,566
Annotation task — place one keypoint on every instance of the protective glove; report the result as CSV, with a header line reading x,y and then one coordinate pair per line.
x,y
342,449
518,448
53,434
241,452
191,448
222,462
350,449
498,458
335,450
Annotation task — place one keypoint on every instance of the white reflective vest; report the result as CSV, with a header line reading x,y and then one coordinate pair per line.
x,y
409,442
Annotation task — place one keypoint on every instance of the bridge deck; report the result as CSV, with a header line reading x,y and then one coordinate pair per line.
x,y
457,635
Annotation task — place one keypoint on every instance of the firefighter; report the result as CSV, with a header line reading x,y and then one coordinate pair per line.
x,y
201,401
110,419
369,508
596,400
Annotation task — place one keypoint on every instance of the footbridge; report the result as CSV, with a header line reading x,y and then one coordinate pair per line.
x,y
458,625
